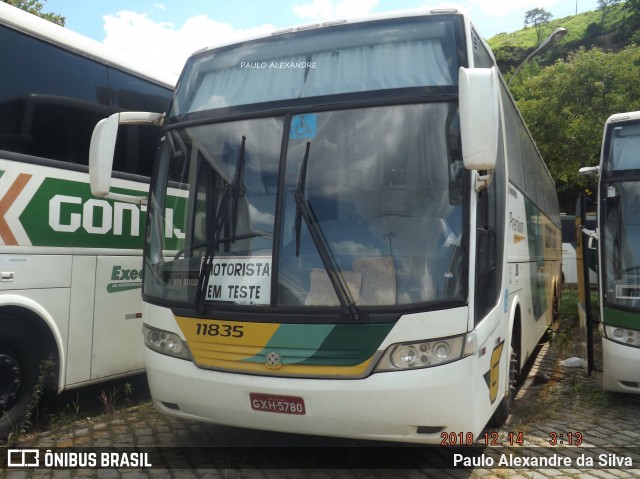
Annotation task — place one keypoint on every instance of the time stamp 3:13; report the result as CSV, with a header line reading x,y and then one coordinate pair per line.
x,y
492,438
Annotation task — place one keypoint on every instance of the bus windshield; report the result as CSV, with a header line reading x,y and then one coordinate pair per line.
x,y
403,53
623,148
366,211
621,222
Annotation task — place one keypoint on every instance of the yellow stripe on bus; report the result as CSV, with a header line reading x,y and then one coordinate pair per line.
x,y
230,345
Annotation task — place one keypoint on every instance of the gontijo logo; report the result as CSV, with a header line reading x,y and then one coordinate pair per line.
x,y
40,208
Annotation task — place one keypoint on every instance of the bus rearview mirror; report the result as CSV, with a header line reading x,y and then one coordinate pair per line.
x,y
589,171
102,150
479,117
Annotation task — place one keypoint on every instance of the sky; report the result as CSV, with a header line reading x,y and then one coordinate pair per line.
x,y
163,33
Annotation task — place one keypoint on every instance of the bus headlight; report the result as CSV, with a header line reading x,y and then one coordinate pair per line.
x,y
423,354
165,342
629,337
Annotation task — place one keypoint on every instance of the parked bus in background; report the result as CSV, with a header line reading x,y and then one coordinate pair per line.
x,y
569,242
618,236
369,240
70,262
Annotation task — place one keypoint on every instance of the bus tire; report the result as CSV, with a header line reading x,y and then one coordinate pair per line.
x,y
19,365
505,408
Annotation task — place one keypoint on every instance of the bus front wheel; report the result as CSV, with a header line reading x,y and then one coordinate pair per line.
x,y
505,407
18,373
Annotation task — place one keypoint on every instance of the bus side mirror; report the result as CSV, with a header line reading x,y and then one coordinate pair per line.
x,y
589,171
102,149
479,117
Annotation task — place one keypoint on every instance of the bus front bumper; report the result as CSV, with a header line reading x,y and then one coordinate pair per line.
x,y
407,406
621,367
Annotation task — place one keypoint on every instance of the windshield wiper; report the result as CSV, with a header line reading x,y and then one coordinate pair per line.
x,y
304,212
299,195
238,190
231,190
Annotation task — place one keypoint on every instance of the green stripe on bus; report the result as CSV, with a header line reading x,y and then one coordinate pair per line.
x,y
325,344
295,342
622,319
361,340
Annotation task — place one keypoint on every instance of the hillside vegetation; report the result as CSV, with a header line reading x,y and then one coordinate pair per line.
x,y
567,92
616,30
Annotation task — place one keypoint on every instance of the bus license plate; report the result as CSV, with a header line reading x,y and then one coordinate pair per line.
x,y
277,403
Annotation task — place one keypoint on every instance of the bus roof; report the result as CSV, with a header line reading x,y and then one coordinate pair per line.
x,y
332,23
630,115
49,32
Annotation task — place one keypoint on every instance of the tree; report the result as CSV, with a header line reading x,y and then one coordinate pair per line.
x,y
605,7
538,17
565,106
35,7
633,6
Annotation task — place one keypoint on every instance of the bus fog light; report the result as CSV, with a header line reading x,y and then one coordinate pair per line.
x,y
165,342
421,354
441,350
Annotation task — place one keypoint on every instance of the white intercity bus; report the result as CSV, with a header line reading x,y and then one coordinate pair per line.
x,y
70,263
618,235
370,242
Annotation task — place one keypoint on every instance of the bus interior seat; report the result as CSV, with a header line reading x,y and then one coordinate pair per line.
x,y
378,286
321,292
371,283
416,245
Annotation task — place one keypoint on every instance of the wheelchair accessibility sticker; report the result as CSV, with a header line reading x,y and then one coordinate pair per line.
x,y
304,127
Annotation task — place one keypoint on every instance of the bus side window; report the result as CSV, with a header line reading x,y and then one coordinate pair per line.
x,y
47,108
136,145
135,149
490,245
486,275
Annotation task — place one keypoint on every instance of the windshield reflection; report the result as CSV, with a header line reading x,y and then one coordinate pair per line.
x,y
621,247
371,213
384,187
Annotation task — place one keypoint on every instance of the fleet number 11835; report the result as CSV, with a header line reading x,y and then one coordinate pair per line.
x,y
222,330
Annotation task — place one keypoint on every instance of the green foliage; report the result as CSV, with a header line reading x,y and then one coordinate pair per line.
x,y
605,6
35,7
569,89
633,6
565,106
587,29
